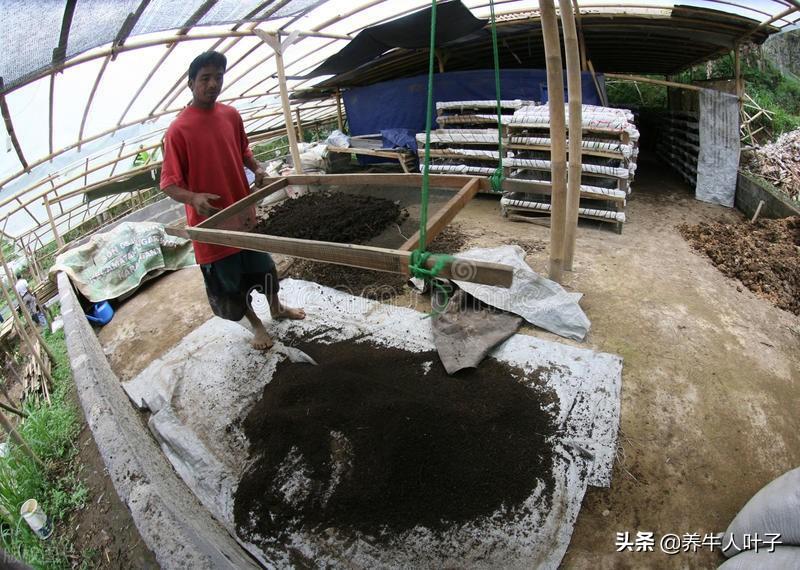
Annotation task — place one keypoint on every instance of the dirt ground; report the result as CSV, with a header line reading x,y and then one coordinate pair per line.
x,y
710,378
104,531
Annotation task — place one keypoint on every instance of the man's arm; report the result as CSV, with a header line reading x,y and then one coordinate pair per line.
x,y
197,200
253,165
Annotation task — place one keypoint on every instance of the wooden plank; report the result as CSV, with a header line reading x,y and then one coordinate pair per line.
x,y
588,152
445,214
365,257
274,42
413,180
339,119
393,154
225,215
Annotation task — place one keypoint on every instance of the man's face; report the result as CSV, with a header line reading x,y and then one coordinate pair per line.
x,y
206,85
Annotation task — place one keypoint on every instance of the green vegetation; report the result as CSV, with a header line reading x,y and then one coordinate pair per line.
x,y
279,146
636,95
772,90
50,430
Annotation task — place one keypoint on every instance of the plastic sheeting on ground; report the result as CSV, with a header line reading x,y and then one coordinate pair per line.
x,y
538,300
116,262
200,390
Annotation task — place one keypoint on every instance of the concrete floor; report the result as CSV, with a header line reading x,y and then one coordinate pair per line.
x,y
710,380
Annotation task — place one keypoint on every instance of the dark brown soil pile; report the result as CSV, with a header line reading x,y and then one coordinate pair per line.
x,y
335,217
764,256
368,441
450,240
376,285
370,284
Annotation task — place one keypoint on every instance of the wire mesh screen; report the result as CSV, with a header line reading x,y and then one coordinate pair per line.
x,y
31,30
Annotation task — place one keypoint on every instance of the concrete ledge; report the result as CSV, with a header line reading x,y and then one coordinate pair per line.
x,y
173,523
750,190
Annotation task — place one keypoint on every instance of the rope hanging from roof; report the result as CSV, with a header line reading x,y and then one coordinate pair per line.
x,y
420,255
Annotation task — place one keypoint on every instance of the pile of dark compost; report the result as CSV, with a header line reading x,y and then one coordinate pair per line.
x,y
380,213
369,441
331,216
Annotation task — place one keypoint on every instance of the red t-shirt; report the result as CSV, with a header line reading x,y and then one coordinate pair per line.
x,y
204,152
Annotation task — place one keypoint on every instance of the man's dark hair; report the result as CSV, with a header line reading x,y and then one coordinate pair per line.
x,y
214,58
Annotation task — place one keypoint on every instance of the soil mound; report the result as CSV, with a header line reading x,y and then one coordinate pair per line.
x,y
764,256
335,217
376,439
376,285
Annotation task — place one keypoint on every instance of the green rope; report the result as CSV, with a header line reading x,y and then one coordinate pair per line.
x,y
417,264
496,179
420,256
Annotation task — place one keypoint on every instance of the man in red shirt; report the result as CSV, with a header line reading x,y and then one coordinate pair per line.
x,y
205,152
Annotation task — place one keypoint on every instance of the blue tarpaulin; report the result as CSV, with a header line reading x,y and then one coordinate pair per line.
x,y
400,103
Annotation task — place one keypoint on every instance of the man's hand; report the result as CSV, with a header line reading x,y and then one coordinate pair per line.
x,y
261,174
202,203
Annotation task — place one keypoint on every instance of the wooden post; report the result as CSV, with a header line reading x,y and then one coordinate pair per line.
x,y
575,130
339,118
558,153
59,241
275,43
28,319
600,93
445,215
737,74
440,59
19,441
23,335
581,40
299,125
50,122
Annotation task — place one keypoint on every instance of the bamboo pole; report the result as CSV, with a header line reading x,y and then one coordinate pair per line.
x,y
59,240
737,74
23,335
639,78
558,153
600,93
10,129
299,125
13,410
19,441
28,318
91,98
50,121
274,43
581,40
339,118
147,79
572,53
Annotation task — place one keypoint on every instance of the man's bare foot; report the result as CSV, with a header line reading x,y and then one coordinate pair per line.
x,y
289,313
261,340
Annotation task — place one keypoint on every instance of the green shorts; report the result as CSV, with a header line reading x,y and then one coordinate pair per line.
x,y
230,280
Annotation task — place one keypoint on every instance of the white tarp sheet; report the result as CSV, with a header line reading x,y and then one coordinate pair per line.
x,y
536,299
201,389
